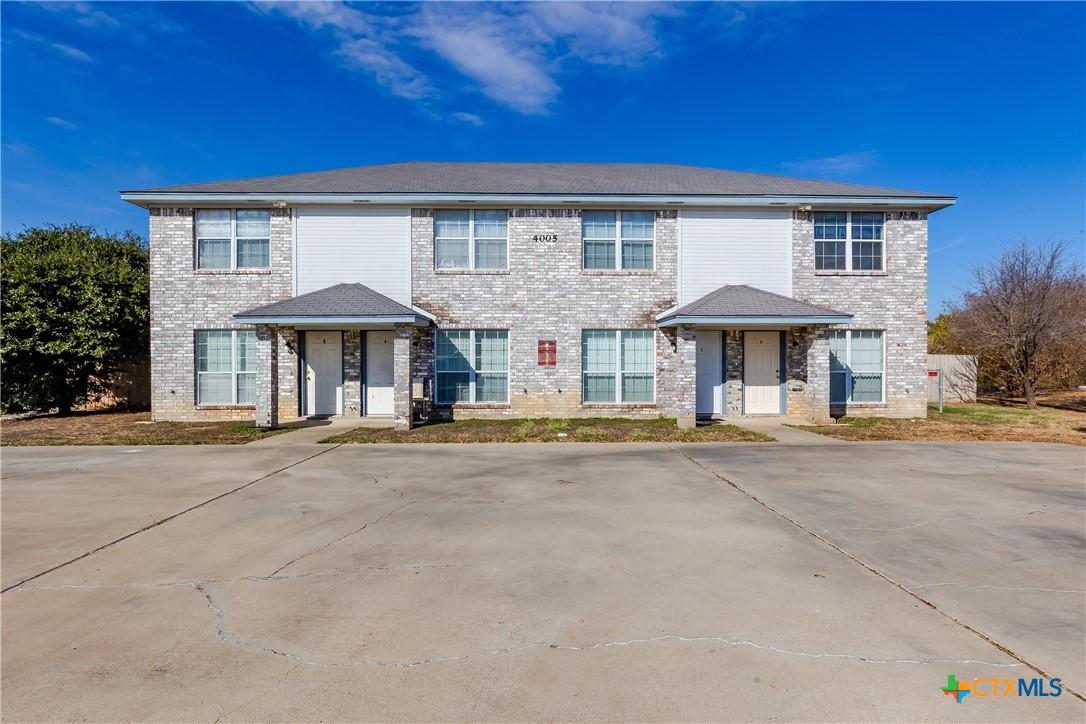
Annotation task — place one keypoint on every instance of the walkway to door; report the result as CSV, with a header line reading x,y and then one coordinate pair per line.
x,y
777,427
314,430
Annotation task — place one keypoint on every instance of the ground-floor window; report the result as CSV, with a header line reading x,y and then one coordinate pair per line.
x,y
618,365
857,366
225,367
472,365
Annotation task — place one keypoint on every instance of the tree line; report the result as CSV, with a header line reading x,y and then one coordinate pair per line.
x,y
1024,317
74,306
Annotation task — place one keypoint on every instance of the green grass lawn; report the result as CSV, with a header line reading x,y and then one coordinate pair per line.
x,y
597,429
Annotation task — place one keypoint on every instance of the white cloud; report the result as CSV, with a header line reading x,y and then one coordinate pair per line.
x,y
493,50
470,118
71,52
843,164
363,42
513,53
67,125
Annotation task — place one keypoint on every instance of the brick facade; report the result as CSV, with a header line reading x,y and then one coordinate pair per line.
x,y
547,295
894,300
184,300
544,295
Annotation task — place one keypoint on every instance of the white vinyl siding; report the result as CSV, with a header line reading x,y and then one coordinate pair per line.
x,y
618,366
228,239
370,246
472,365
723,246
857,366
225,367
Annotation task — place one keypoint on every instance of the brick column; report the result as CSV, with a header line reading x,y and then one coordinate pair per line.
x,y
686,384
267,376
818,374
401,367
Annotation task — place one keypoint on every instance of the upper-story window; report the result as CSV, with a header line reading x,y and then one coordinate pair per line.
x,y
848,240
229,239
618,239
471,239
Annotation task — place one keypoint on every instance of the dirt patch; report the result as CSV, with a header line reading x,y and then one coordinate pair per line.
x,y
124,428
981,421
553,430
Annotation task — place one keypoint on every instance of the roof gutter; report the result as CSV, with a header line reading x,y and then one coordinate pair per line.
x,y
689,320
147,199
418,321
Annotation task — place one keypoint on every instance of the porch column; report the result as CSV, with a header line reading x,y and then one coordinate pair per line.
x,y
267,376
818,374
686,382
401,368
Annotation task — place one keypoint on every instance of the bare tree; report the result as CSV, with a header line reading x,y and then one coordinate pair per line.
x,y
1027,307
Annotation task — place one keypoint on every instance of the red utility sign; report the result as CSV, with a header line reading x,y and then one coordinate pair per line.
x,y
548,353
933,373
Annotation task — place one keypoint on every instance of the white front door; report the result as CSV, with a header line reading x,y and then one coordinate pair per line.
x,y
380,377
710,373
762,373
324,373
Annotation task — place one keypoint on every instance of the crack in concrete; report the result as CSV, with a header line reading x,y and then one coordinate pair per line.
x,y
1001,588
167,519
257,698
229,638
239,579
964,517
856,559
340,538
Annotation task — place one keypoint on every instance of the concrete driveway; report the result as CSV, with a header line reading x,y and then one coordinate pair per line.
x,y
559,582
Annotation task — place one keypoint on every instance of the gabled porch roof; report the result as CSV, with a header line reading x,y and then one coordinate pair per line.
x,y
341,304
739,305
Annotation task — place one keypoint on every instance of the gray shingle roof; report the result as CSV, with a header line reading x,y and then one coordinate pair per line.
x,y
740,300
341,300
603,179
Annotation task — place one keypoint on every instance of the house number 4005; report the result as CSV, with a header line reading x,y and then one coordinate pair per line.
x,y
545,237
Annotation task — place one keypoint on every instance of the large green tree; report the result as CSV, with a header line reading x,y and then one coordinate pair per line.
x,y
74,307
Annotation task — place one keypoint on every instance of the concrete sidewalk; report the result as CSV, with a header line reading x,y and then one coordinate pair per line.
x,y
310,430
775,427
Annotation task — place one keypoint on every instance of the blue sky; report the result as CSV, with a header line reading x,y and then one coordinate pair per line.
x,y
983,101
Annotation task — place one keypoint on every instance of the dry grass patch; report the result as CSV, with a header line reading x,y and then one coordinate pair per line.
x,y
966,422
553,430
124,428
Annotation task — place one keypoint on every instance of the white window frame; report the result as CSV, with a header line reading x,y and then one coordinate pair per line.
x,y
233,368
233,241
848,241
617,242
847,371
619,371
471,369
471,242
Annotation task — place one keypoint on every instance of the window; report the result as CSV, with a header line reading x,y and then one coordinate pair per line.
x,y
618,239
848,241
618,365
856,366
226,367
227,239
472,366
471,239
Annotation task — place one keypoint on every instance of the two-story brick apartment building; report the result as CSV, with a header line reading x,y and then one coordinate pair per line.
x,y
536,289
